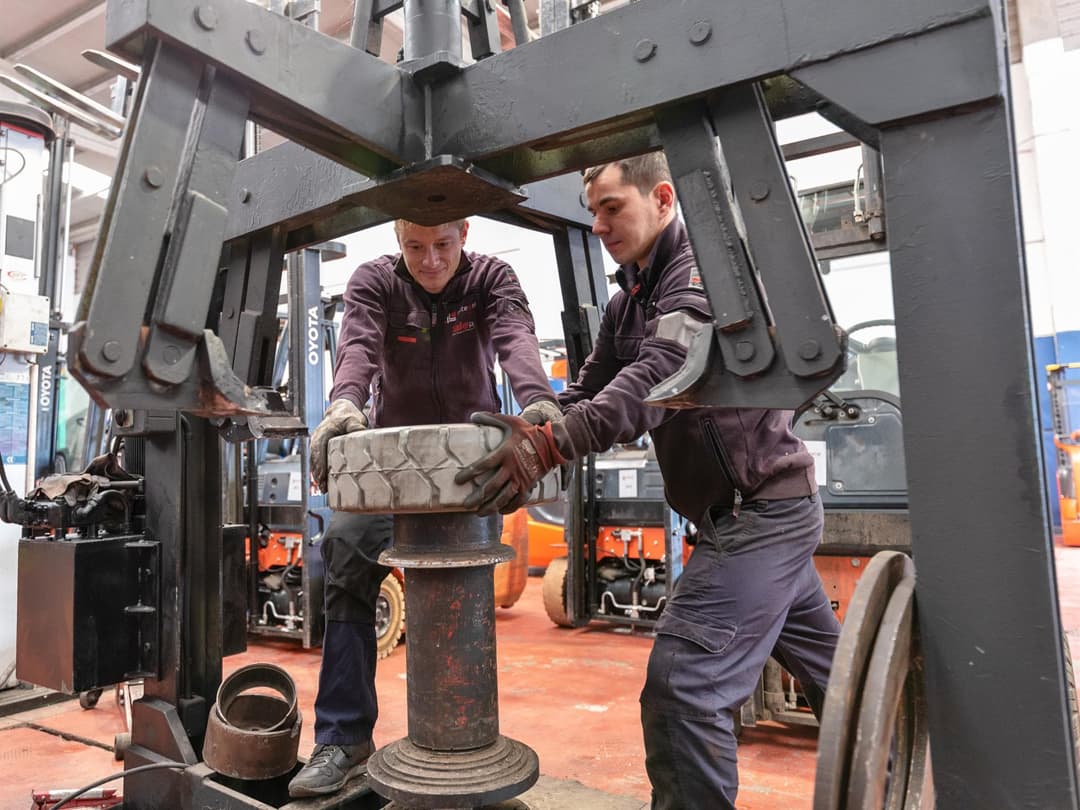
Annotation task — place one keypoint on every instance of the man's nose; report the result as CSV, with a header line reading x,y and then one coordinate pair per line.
x,y
599,226
431,257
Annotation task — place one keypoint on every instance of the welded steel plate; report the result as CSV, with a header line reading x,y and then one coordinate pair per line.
x,y
439,190
412,469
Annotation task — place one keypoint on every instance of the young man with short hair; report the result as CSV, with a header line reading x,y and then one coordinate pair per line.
x,y
750,588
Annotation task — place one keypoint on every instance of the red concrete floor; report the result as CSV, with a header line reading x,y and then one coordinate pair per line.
x,y
570,694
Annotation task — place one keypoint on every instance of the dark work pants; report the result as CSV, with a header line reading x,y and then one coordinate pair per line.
x,y
346,706
749,590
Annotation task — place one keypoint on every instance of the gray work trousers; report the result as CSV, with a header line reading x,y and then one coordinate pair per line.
x,y
749,590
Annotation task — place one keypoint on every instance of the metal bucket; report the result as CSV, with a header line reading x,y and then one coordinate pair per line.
x,y
254,735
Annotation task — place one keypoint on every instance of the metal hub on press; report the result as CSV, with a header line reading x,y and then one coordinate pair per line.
x,y
454,755
412,776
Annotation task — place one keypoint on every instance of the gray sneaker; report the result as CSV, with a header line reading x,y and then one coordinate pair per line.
x,y
329,768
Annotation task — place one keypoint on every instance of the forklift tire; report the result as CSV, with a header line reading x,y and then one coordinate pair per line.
x,y
89,698
412,469
389,616
554,592
1070,691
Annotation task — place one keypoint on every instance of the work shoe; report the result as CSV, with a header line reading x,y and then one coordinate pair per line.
x,y
329,768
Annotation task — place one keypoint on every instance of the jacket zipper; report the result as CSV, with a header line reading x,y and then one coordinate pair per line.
x,y
725,462
435,363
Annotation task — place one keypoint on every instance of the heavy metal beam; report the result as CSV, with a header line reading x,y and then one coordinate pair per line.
x,y
496,113
335,99
315,199
988,608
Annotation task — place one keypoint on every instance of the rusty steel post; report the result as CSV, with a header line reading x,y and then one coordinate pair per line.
x,y
454,755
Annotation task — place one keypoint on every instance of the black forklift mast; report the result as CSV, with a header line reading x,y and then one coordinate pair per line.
x,y
434,139
280,489
45,399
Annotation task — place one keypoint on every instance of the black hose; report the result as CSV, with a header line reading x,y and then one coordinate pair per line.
x,y
3,477
119,775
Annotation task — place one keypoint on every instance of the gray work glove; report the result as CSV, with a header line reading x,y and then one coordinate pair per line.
x,y
541,412
341,417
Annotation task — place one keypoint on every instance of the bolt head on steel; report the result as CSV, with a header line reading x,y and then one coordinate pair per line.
x,y
171,355
111,351
759,191
809,349
153,177
245,195
206,17
744,351
700,32
644,50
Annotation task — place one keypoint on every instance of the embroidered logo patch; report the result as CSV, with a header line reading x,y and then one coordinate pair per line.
x,y
461,312
462,326
695,279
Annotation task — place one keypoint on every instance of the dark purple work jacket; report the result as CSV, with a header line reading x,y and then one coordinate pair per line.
x,y
706,455
430,359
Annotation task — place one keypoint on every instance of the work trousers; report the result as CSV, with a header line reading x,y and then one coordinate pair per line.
x,y
749,590
346,705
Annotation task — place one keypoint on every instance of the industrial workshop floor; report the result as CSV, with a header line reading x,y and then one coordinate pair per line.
x,y
570,694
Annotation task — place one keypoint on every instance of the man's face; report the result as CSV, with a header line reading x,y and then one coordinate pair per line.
x,y
626,220
432,255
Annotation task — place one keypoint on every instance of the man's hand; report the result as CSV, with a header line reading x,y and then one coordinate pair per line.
x,y
541,412
507,474
341,417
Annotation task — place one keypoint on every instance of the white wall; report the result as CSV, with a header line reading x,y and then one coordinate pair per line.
x,y
1048,149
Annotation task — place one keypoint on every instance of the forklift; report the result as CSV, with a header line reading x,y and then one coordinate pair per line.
x,y
1063,383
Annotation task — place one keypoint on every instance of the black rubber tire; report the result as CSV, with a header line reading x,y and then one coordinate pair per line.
x,y
389,616
554,592
121,742
412,469
1070,690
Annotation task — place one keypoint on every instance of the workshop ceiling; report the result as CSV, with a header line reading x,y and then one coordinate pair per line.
x,y
50,36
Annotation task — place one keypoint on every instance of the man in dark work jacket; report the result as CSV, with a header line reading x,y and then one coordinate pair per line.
x,y
421,331
750,588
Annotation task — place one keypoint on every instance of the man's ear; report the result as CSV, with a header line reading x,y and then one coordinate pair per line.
x,y
464,231
664,193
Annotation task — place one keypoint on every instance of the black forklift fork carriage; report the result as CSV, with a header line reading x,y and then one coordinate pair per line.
x,y
181,297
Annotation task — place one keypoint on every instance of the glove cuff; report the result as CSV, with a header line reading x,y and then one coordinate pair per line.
x,y
557,458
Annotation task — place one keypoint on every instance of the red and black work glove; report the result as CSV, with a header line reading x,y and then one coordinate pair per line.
x,y
341,417
507,474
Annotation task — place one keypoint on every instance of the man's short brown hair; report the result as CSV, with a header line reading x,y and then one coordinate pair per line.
x,y
643,172
400,223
